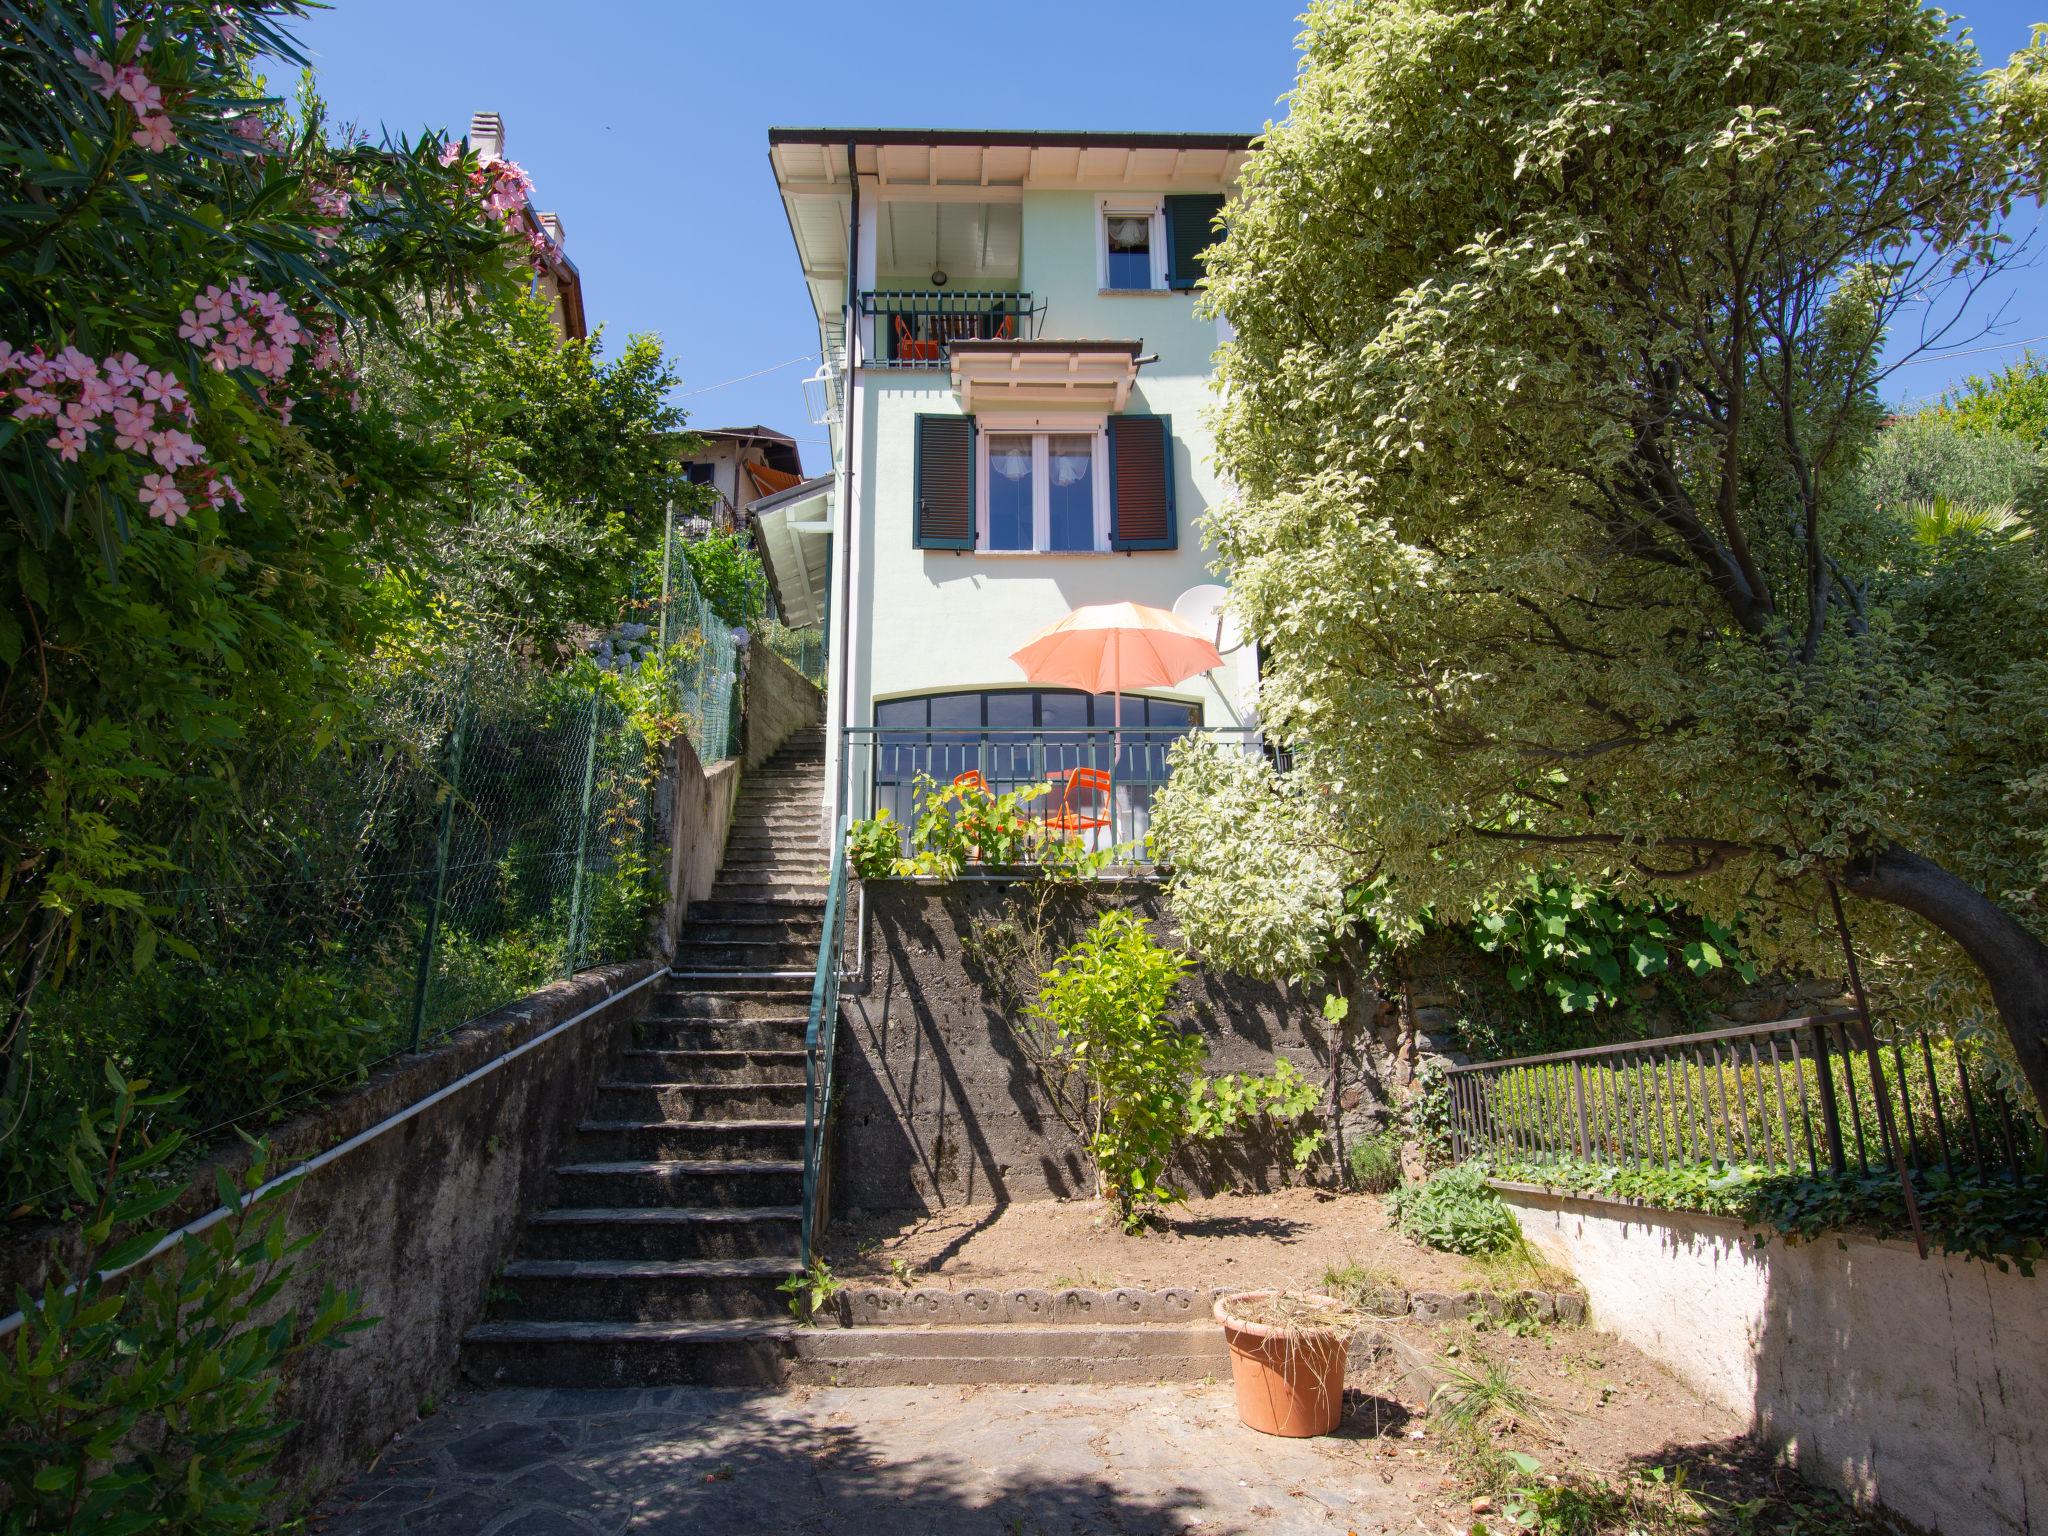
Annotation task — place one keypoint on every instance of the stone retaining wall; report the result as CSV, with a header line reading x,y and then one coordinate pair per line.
x,y
938,1103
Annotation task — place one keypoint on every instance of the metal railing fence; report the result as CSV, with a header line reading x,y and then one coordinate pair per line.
x,y
821,1039
883,766
914,328
1813,1095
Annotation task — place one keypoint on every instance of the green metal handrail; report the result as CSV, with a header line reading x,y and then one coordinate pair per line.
x,y
821,1035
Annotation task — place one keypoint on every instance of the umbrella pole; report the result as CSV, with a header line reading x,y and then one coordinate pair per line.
x,y
1116,752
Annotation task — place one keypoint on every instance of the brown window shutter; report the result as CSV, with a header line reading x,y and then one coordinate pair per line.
x,y
942,486
1141,514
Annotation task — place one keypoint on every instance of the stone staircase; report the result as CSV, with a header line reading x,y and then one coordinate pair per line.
x,y
676,1213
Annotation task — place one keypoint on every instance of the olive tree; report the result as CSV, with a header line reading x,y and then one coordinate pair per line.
x,y
1558,336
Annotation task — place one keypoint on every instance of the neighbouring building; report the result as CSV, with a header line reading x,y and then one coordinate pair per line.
x,y
1016,387
742,464
555,276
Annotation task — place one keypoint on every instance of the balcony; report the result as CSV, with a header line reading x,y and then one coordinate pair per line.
x,y
1110,803
916,328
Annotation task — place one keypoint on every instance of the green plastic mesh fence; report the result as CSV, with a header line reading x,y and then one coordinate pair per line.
x,y
705,658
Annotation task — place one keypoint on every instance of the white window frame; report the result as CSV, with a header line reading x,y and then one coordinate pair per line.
x,y
1039,429
1123,205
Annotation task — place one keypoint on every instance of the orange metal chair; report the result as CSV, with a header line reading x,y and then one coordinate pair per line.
x,y
911,350
973,780
1073,815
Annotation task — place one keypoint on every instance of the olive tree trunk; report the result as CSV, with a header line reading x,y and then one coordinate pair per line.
x,y
2013,961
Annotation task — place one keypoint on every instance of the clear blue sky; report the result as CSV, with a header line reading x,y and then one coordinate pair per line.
x,y
644,124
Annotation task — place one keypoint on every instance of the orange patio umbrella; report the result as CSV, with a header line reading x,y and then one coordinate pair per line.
x,y
1115,648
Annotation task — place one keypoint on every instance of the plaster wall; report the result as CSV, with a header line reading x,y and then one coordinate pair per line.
x,y
1917,1385
931,620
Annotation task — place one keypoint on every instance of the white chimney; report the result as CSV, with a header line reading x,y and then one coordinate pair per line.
x,y
487,136
552,223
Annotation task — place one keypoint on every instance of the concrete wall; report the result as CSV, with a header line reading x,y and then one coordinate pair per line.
x,y
938,1105
1920,1385
419,1219
699,814
780,701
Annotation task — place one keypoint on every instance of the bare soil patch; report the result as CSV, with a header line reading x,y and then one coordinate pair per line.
x,y
1286,1239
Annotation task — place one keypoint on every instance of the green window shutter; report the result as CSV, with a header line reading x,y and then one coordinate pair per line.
x,y
1190,230
942,485
1141,483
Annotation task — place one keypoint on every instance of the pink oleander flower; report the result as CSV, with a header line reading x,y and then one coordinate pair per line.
x,y
79,417
156,134
285,329
133,423
162,389
174,449
68,444
284,411
100,70
12,361
74,365
161,495
213,306
96,395
238,332
35,402
125,371
138,90
451,152
242,289
196,330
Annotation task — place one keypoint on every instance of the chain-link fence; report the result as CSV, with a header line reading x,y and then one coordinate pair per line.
x,y
702,654
803,649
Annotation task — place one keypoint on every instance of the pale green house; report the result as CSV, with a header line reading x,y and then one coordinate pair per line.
x,y
1016,388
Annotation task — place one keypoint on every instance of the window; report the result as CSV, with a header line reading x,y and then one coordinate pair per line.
x,y
1044,491
702,474
1130,249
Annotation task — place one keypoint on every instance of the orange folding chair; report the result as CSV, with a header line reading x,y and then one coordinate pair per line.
x,y
911,350
1074,813
973,780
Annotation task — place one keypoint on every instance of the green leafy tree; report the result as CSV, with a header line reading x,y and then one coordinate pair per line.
x,y
2013,401
1544,411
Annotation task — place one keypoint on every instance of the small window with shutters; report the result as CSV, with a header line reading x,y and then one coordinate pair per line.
x,y
1190,229
942,489
1141,510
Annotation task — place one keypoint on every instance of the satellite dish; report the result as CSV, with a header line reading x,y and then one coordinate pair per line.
x,y
1204,607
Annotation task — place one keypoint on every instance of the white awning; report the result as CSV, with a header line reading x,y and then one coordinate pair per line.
x,y
793,530
1044,375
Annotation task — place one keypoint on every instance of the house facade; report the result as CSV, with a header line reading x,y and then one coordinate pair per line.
x,y
742,465
1016,388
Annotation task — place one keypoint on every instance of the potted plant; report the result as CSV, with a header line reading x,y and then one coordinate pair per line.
x,y
1287,1354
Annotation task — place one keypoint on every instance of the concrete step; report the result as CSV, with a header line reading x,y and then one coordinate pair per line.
x,y
669,1102
749,1035
805,929
535,1354
640,1290
676,1232
745,885
691,1140
680,1183
744,1353
757,909
702,955
727,998
644,1064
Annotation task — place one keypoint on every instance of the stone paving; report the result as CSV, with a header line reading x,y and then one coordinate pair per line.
x,y
879,1461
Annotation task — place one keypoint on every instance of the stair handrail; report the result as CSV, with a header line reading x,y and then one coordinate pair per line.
x,y
821,1034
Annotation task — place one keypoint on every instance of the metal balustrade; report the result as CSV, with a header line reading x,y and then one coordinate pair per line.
x,y
1815,1095
914,328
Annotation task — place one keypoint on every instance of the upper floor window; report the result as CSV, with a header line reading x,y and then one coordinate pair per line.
x,y
1132,245
1044,491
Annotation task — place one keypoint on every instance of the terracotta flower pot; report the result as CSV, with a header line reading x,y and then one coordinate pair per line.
x,y
1289,1380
